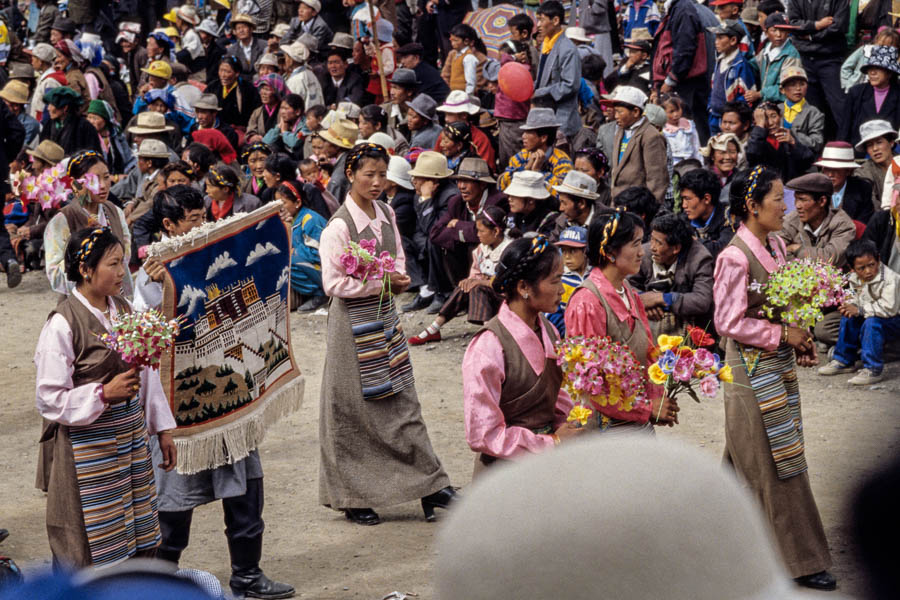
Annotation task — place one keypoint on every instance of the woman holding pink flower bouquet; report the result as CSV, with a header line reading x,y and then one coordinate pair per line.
x,y
374,448
763,425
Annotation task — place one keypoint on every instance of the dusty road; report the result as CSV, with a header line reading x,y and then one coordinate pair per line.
x,y
847,431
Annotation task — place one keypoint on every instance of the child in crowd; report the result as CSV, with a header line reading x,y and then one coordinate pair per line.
x,y
465,63
852,69
521,28
679,131
734,74
311,172
311,126
870,318
475,294
306,230
573,244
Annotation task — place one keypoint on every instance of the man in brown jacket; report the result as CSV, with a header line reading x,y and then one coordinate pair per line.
x,y
816,231
639,153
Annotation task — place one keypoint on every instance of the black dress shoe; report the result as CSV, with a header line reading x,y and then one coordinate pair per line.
x,y
260,587
436,304
440,499
418,303
3,534
362,516
13,274
823,580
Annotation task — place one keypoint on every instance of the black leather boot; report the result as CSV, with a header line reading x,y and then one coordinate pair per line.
x,y
440,499
247,579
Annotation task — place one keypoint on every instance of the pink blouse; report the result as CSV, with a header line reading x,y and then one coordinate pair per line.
x,y
335,238
732,277
586,316
59,400
483,377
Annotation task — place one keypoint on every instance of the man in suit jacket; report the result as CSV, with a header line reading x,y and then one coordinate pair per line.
x,y
430,81
309,21
559,70
639,152
247,49
341,83
816,229
852,194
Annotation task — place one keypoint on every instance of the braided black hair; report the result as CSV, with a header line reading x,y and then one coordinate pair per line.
x,y
367,150
528,260
752,185
82,162
87,247
610,232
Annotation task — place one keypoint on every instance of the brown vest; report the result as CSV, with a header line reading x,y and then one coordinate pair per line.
x,y
458,74
527,400
78,218
758,273
94,363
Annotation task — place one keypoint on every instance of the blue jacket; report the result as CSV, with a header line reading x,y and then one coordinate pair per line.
x,y
732,84
770,71
305,234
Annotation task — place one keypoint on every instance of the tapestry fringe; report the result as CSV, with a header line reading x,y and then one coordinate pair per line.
x,y
235,441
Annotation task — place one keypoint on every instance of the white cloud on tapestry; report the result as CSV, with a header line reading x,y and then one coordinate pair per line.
x,y
260,251
222,262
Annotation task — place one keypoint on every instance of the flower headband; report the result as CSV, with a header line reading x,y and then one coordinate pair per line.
x,y
220,181
360,149
87,245
256,147
539,243
609,230
752,180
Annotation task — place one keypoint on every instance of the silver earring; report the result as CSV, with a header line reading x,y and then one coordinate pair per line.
x,y
755,213
613,259
525,296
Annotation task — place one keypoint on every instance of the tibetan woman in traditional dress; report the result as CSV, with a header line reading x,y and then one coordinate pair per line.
x,y
374,448
98,411
511,383
607,305
763,425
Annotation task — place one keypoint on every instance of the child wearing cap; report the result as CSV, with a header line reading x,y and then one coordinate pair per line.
x,y
734,74
474,294
573,245
778,54
869,319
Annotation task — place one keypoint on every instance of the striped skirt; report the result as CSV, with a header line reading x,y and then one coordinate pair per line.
x,y
381,348
114,472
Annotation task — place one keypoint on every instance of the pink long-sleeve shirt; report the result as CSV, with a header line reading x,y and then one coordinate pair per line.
x,y
586,316
483,377
335,238
59,400
732,278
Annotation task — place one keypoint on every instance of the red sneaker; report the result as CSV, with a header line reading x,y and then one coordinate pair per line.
x,y
417,340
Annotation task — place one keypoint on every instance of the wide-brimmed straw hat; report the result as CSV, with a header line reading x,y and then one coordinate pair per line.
x,y
343,133
873,129
49,152
837,155
431,165
578,184
242,18
15,91
474,169
528,184
150,122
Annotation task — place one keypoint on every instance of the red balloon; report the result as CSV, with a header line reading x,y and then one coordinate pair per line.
x,y
515,81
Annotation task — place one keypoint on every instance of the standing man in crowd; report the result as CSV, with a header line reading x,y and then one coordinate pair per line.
x,y
559,71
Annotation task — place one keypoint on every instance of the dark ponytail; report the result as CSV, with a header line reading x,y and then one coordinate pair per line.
x,y
527,259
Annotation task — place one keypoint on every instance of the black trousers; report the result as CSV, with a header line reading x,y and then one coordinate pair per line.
x,y
243,522
6,249
446,268
695,92
825,92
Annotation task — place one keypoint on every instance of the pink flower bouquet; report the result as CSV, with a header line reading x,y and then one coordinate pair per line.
x,y
599,371
360,261
50,189
141,338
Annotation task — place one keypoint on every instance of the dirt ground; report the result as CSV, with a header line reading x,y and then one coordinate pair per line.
x,y
848,431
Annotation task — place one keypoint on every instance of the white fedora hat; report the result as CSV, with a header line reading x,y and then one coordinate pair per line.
x,y
875,128
578,34
578,184
837,155
458,102
398,172
528,184
625,94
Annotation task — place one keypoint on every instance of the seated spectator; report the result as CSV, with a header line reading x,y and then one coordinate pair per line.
x,y
309,20
734,74
474,294
152,156
280,167
594,163
805,121
737,118
456,144
878,98
223,197
434,188
852,69
461,107
679,131
639,149
774,145
852,194
700,202
312,126
402,86
870,318
877,140
573,245
676,278
430,81
286,136
339,138
422,121
578,202
538,152
342,83
271,90
722,154
233,89
299,78
45,156
639,201
530,206
66,126
816,229
307,293
635,69
254,157
115,148
453,236
778,54
208,110
374,119
15,95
